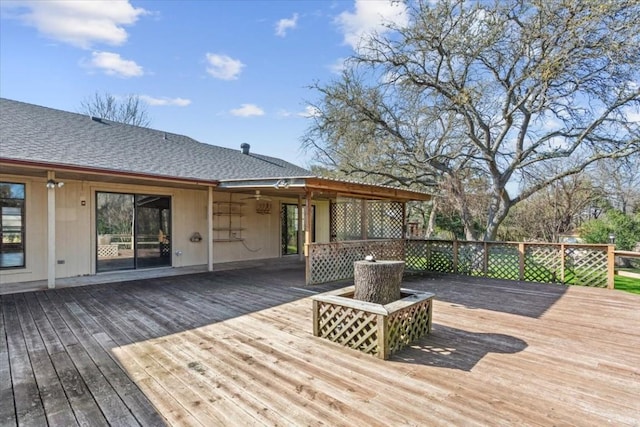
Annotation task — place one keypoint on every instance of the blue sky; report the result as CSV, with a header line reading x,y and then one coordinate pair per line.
x,y
222,72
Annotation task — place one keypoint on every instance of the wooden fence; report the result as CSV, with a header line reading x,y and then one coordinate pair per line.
x,y
578,264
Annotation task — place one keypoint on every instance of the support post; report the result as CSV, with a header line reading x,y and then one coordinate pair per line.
x,y
521,260
562,267
51,232
307,236
210,230
316,318
455,256
364,220
383,339
300,236
611,266
485,259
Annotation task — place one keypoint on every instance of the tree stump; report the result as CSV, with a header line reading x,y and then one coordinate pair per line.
x,y
377,282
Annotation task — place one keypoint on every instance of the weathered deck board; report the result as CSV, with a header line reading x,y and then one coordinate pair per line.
x,y
235,348
7,409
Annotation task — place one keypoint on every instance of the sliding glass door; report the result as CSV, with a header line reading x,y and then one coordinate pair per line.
x,y
133,231
153,248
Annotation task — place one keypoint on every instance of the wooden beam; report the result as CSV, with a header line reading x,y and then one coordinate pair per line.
x,y
358,190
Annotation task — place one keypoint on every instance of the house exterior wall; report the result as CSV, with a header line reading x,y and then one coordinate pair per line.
x,y
76,218
260,237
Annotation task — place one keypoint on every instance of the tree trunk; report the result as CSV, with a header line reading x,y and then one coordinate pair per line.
x,y
431,227
377,282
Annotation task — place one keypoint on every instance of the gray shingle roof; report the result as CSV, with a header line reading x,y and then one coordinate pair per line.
x,y
33,133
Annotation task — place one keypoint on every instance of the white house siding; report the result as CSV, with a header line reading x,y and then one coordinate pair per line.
x,y
75,230
261,234
75,227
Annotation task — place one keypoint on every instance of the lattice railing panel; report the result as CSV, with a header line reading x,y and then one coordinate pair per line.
x,y
503,261
406,326
542,263
348,326
585,266
416,255
471,258
346,220
107,251
440,256
329,262
384,220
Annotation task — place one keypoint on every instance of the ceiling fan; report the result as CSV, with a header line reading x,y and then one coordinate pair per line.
x,y
257,196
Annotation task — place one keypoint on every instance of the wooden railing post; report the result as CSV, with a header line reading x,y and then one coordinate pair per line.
x,y
611,266
383,339
485,259
562,262
455,256
316,318
521,260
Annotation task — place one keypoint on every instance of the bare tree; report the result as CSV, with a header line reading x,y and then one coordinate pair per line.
x,y
555,210
486,92
130,110
620,180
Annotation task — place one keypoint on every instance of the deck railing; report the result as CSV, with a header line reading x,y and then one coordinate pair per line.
x,y
579,264
328,262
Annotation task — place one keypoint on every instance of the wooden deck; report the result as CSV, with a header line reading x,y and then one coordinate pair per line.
x,y
235,348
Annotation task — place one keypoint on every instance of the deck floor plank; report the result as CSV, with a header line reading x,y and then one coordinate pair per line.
x,y
188,318
235,347
130,335
74,365
98,345
54,400
7,408
28,403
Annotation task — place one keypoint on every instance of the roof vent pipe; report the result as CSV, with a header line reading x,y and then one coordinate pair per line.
x,y
245,148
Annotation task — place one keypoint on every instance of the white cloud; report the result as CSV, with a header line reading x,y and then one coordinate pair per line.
x,y
223,67
370,17
310,111
338,66
248,110
286,24
632,115
165,101
79,23
113,64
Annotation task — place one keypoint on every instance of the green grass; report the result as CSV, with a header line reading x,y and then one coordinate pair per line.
x,y
627,284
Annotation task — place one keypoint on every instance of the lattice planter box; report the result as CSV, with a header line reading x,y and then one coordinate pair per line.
x,y
380,330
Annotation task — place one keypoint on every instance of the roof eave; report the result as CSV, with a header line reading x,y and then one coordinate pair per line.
x,y
29,164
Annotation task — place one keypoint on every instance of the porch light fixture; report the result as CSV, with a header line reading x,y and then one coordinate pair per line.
x,y
281,183
196,237
51,184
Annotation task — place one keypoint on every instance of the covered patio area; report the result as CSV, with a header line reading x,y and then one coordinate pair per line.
x,y
235,347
